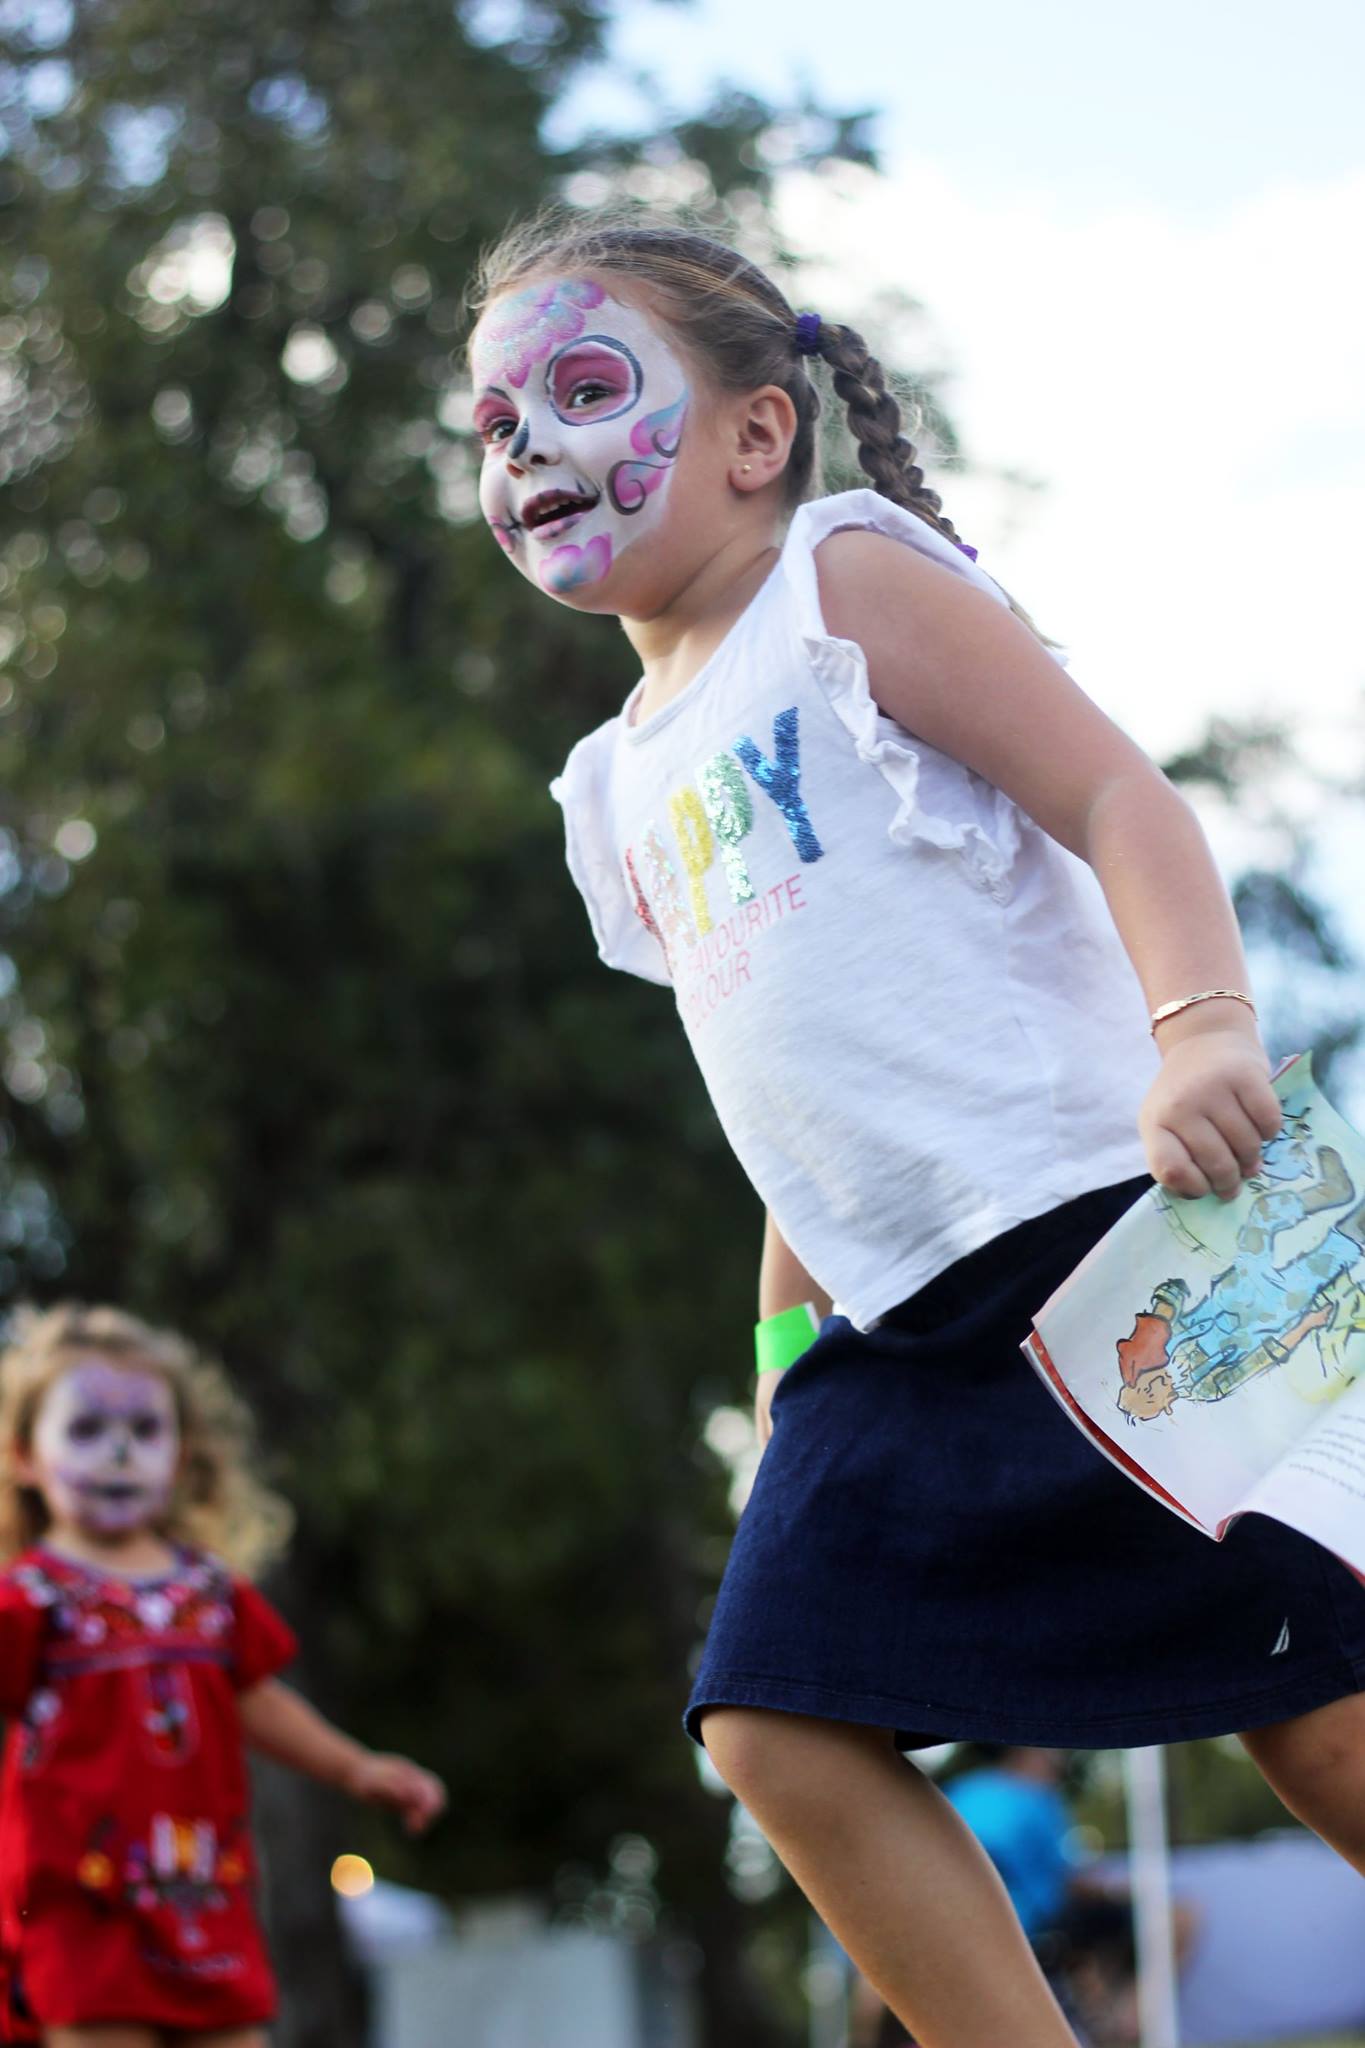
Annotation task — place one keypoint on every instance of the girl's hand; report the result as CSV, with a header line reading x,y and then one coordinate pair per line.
x,y
1209,1112
765,1387
418,1795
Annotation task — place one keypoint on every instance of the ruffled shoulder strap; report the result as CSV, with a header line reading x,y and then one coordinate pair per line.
x,y
941,804
868,511
583,793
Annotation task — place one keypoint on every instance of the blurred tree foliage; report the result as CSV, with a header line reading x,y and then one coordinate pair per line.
x,y
1290,890
304,1046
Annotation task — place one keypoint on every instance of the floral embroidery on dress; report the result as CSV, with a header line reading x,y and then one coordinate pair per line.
x,y
37,1721
91,1611
97,1622
168,1717
182,1867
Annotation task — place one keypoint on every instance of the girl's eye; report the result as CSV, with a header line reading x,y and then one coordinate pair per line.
x,y
594,376
495,418
584,395
147,1428
83,1429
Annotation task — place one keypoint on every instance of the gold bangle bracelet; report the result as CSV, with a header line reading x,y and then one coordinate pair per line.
x,y
1207,995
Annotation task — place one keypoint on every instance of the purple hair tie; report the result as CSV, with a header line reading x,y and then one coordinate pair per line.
x,y
966,548
808,334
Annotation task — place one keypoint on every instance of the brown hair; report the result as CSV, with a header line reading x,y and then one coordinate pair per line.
x,y
731,317
218,1504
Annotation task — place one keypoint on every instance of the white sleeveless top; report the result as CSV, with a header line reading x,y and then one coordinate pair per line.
x,y
911,1009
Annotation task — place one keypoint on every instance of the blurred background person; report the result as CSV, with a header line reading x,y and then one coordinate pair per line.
x,y
136,1659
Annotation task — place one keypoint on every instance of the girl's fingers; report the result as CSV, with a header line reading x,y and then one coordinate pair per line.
x,y
1260,1102
1194,1161
419,1811
1207,1119
1214,1157
1171,1166
1244,1136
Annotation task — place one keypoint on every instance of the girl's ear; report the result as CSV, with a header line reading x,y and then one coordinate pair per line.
x,y
764,431
22,1466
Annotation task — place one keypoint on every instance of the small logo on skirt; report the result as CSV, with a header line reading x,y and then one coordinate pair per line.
x,y
1282,1639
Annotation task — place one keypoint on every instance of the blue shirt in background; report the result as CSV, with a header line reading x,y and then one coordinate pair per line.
x,y
1023,1827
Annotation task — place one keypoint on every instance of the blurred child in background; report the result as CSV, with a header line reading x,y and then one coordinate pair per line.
x,y
136,1662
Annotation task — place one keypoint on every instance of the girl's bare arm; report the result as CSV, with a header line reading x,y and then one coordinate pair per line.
x,y
959,671
279,1722
783,1281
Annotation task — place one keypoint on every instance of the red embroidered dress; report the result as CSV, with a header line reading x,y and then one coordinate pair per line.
x,y
126,1868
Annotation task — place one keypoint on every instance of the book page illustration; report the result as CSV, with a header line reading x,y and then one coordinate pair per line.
x,y
1269,1299
1201,1340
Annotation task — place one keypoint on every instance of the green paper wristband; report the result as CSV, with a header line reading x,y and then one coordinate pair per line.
x,y
781,1339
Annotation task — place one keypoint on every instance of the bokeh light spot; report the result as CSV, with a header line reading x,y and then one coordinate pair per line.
x,y
352,1876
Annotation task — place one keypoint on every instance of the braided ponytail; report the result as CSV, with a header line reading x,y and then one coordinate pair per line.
x,y
874,420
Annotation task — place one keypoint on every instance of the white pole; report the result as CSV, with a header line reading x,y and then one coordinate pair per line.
x,y
1149,1866
827,1974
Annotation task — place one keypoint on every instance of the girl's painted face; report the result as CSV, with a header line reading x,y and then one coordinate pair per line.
x,y
106,1447
580,405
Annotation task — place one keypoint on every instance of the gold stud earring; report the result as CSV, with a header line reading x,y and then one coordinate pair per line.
x,y
744,468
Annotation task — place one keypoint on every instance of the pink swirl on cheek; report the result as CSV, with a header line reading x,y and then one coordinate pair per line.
x,y
570,567
660,433
656,440
523,329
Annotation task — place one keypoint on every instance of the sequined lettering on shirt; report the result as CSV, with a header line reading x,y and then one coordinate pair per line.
x,y
721,818
640,900
781,780
665,894
727,803
697,844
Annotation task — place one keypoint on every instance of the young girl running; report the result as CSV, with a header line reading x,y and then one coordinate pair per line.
x,y
917,899
134,1661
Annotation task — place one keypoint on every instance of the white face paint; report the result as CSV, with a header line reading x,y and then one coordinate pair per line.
x,y
106,1446
580,405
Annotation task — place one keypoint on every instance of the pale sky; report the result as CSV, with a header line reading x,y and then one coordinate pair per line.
x,y
1139,236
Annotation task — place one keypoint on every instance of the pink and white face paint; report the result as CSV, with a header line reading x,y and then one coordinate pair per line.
x,y
580,405
107,1447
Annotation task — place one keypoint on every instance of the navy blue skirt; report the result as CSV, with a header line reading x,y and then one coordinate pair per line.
x,y
932,1547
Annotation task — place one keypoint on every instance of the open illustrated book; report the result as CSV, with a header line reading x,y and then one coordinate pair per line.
x,y
1215,1351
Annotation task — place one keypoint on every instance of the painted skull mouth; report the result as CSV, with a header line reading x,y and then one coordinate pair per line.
x,y
553,508
114,1490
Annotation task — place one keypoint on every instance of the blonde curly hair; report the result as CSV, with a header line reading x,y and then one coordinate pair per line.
x,y
218,1505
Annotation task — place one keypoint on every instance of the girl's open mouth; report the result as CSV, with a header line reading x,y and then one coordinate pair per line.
x,y
551,513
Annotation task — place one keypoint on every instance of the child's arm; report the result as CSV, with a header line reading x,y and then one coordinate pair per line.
x,y
280,1722
960,671
783,1282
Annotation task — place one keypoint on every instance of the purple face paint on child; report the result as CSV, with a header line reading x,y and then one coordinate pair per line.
x,y
107,1446
580,405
